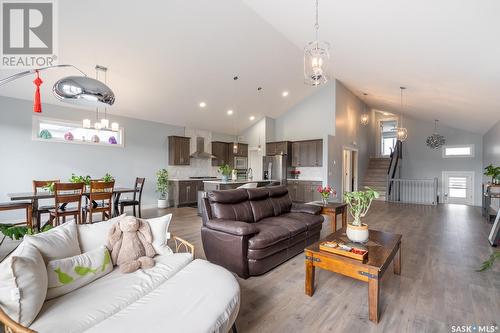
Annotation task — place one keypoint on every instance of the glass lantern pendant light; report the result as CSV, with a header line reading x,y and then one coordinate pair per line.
x,y
402,132
316,59
435,140
364,117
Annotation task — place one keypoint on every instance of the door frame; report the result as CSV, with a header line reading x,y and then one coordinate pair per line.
x,y
354,168
378,134
444,189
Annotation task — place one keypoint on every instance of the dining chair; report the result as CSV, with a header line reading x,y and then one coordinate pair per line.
x,y
65,194
44,209
100,200
136,200
26,205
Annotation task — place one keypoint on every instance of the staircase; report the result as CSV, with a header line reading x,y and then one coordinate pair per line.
x,y
376,175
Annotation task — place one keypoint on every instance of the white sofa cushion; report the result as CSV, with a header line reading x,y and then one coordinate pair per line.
x,y
159,229
83,308
57,243
23,284
200,298
92,236
65,275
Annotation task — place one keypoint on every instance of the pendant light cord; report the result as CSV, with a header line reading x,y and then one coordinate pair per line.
x,y
402,88
316,26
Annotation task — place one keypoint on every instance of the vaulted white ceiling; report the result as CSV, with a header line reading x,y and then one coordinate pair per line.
x,y
165,57
446,52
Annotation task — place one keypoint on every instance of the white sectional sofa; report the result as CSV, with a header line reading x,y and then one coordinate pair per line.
x,y
178,294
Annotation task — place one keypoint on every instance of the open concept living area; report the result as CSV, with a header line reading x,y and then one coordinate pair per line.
x,y
261,166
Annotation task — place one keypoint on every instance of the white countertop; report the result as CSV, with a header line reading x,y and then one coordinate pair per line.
x,y
305,180
191,179
239,181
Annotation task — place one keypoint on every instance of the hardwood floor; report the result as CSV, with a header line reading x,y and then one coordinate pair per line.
x,y
441,249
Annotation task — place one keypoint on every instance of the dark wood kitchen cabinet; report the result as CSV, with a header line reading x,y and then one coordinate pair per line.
x,y
278,148
241,150
221,152
186,192
178,150
307,153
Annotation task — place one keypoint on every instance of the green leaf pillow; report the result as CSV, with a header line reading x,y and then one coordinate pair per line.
x,y
68,274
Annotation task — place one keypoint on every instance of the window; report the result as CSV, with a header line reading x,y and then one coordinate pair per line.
x,y
458,151
56,130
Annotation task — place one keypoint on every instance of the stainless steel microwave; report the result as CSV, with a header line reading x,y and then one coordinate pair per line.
x,y
241,163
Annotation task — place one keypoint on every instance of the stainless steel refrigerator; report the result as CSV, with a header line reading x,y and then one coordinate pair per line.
x,y
275,168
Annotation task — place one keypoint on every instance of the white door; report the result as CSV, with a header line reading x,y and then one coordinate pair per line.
x,y
458,187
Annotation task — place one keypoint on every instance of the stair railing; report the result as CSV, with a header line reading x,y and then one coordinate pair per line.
x,y
414,191
396,155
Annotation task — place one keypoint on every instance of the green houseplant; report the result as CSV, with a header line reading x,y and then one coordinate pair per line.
x,y
493,172
358,204
16,232
225,170
108,178
162,187
80,179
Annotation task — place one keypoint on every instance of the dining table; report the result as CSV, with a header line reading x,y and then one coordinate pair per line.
x,y
42,195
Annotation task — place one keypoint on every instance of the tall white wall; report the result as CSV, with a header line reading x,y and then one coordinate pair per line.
x,y
491,153
349,133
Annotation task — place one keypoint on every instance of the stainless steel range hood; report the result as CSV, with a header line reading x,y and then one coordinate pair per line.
x,y
200,149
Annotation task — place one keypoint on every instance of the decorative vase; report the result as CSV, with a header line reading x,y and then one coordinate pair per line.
x,y
224,178
324,200
357,234
162,203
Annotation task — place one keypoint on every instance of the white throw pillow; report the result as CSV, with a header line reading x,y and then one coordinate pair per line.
x,y
65,275
92,236
159,229
23,284
57,243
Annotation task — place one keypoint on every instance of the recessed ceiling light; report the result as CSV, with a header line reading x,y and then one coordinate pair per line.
x,y
386,113
229,112
284,93
252,118
203,104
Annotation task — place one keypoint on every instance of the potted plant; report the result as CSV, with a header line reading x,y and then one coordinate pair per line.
x,y
81,179
325,193
162,187
493,172
225,170
17,232
358,204
108,178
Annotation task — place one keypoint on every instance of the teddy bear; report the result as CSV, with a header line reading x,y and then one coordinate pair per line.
x,y
130,242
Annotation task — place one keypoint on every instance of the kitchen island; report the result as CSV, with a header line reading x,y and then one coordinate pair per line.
x,y
213,185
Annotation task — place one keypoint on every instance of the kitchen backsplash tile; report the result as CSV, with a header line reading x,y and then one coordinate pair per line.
x,y
198,168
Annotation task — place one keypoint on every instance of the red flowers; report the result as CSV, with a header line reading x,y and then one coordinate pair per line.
x,y
326,191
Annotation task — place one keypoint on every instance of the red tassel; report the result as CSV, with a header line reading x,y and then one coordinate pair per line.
x,y
37,103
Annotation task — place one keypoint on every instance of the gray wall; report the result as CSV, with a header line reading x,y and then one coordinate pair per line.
x,y
421,162
491,153
349,133
145,151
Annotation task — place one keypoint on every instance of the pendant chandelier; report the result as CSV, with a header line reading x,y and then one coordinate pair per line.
x,y
402,132
364,117
435,140
316,59
101,124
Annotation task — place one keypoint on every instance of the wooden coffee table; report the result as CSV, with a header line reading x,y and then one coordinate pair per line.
x,y
383,247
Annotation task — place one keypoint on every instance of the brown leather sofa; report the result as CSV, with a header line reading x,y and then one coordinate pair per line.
x,y
251,231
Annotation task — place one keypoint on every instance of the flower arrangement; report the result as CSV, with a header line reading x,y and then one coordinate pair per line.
x,y
225,170
326,192
295,174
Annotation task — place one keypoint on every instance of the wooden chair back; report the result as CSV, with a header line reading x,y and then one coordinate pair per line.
x,y
66,193
101,191
139,185
39,184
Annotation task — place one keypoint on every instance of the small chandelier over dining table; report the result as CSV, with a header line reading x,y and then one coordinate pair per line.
x,y
316,59
103,123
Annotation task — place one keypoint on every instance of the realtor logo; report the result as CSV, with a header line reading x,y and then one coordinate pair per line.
x,y
28,34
